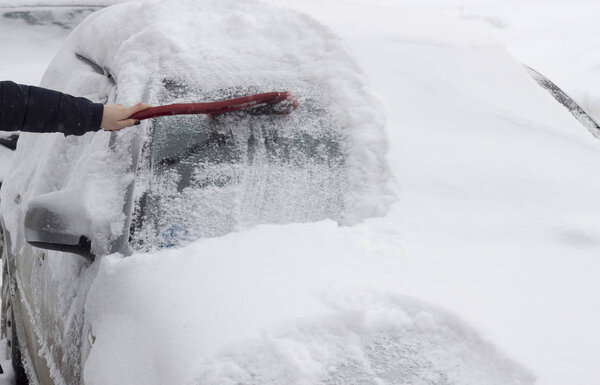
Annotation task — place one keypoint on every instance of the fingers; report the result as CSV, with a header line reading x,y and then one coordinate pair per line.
x,y
127,123
116,117
121,124
137,108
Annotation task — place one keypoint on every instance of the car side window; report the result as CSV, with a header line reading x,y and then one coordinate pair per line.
x,y
210,176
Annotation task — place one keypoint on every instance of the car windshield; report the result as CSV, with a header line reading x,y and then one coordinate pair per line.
x,y
210,176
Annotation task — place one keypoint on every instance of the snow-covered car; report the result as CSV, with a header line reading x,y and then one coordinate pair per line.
x,y
245,249
178,179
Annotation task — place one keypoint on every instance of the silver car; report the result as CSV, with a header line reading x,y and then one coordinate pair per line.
x,y
74,201
174,180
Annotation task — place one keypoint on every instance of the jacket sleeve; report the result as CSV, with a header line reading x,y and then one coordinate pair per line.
x,y
35,109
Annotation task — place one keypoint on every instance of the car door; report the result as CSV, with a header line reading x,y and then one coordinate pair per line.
x,y
47,288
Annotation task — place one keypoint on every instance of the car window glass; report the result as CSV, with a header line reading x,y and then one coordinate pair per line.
x,y
209,176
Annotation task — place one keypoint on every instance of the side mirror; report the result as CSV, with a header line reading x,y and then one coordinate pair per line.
x,y
57,221
9,141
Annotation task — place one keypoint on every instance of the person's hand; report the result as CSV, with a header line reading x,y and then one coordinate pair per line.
x,y
116,116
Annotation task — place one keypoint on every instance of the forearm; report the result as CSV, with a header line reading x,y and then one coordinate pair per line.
x,y
34,109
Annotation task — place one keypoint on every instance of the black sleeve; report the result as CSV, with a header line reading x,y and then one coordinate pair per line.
x,y
35,109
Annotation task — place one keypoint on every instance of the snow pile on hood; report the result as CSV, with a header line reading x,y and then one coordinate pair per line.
x,y
379,339
293,304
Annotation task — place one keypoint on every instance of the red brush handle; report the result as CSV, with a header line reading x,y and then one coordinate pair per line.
x,y
221,107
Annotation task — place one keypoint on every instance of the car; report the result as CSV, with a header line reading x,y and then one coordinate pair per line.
x,y
177,179
241,249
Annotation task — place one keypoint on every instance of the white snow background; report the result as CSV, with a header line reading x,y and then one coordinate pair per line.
x,y
497,217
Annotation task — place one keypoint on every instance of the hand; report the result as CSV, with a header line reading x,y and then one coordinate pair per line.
x,y
116,116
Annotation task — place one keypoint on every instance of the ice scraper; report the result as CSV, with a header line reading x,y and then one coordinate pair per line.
x,y
280,103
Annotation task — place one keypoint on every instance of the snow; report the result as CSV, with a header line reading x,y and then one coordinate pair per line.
x,y
7,378
554,39
552,36
227,326
26,51
5,161
57,3
496,222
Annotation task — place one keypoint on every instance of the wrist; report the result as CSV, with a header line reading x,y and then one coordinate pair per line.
x,y
97,116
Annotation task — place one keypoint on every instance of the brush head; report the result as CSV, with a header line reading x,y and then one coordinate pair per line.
x,y
283,104
287,105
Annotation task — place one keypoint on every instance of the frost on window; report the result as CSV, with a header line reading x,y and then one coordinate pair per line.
x,y
211,176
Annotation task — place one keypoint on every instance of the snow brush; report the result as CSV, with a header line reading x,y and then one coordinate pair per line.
x,y
269,103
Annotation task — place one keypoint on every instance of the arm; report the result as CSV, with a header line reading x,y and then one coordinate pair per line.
x,y
35,109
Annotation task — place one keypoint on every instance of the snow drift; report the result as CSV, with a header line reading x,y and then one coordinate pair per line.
x,y
298,304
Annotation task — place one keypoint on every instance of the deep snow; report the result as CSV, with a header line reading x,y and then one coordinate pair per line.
x,y
496,222
5,161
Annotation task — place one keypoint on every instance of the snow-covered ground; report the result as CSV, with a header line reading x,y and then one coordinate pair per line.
x,y
497,217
